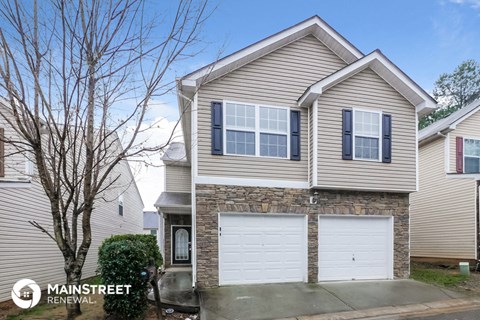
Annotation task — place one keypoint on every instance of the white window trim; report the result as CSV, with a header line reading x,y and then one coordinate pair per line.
x,y
464,155
380,130
257,129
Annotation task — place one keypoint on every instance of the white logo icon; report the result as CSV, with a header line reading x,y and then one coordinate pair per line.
x,y
26,299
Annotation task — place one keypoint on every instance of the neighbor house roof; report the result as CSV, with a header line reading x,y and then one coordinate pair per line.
x,y
449,123
386,69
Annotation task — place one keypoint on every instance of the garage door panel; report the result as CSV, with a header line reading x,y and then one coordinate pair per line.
x,y
268,249
354,248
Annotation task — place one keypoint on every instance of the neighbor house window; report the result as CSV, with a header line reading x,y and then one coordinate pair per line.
x,y
153,232
256,130
366,135
471,156
120,204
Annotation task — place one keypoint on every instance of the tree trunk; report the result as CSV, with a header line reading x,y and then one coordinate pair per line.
x,y
73,300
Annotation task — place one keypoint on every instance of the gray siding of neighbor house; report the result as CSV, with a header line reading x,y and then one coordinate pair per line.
x,y
26,252
443,211
366,90
469,128
178,179
277,79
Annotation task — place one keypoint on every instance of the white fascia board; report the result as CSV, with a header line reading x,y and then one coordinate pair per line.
x,y
251,182
276,38
329,187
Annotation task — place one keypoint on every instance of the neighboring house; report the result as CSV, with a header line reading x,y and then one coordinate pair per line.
x,y
303,154
445,213
26,252
153,224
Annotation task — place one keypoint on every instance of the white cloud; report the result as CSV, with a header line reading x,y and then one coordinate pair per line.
x,y
158,129
474,4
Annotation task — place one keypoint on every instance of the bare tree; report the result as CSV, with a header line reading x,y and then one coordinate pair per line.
x,y
69,71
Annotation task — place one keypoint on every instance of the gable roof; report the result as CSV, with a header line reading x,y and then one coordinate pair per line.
x,y
449,123
314,25
387,70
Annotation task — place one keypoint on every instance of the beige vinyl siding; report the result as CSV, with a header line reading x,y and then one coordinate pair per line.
x,y
178,179
468,128
25,252
366,90
14,161
443,211
277,79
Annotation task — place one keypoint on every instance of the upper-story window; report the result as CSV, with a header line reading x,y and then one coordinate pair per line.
x,y
366,135
256,130
471,156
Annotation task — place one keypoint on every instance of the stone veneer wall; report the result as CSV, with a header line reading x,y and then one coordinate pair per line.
x,y
173,219
212,199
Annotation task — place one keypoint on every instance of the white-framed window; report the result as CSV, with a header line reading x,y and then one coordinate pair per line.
x,y
471,155
256,130
367,134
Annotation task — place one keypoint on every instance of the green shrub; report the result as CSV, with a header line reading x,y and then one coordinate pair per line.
x,y
121,261
153,252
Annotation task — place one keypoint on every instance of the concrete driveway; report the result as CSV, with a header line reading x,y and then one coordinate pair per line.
x,y
274,301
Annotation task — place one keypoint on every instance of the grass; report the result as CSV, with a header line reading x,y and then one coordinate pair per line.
x,y
445,278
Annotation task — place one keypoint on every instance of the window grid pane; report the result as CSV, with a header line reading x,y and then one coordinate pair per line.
x,y
241,116
366,148
273,145
240,142
367,135
273,119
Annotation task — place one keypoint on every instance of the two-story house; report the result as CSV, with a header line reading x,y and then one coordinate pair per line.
x,y
26,252
445,212
301,155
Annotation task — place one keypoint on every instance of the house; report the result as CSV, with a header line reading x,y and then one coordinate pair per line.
x,y
26,252
300,157
153,224
445,212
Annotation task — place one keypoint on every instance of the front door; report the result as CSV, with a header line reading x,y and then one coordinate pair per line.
x,y
181,244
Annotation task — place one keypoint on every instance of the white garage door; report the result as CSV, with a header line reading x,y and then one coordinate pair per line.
x,y
262,249
354,248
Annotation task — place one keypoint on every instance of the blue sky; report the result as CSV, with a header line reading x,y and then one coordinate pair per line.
x,y
424,38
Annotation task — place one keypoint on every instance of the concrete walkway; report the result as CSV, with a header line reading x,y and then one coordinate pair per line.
x,y
176,291
276,301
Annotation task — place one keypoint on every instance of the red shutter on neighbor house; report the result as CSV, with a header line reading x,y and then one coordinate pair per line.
x,y
459,153
2,154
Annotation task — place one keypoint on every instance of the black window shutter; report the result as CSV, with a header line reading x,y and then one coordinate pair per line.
x,y
387,138
347,134
459,154
295,135
217,130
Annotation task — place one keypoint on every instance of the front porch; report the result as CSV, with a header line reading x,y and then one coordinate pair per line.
x,y
176,210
